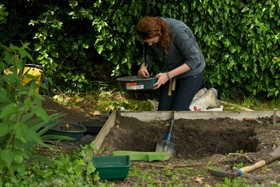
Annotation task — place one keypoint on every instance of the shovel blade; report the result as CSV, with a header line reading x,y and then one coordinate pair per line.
x,y
276,152
166,146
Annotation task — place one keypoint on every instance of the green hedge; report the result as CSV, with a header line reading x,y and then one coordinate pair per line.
x,y
239,39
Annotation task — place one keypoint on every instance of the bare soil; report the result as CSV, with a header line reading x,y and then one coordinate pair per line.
x,y
222,144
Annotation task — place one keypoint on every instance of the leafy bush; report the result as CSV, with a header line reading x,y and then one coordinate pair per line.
x,y
75,40
3,13
22,118
74,169
63,45
240,42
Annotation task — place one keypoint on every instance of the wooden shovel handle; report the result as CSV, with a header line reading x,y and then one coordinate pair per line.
x,y
245,169
256,166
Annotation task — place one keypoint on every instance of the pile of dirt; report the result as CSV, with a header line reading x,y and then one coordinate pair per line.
x,y
70,116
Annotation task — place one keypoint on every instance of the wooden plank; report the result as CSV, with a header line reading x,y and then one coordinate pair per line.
x,y
165,115
149,115
223,114
104,131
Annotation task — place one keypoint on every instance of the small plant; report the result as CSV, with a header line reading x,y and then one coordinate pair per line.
x,y
74,169
238,165
237,182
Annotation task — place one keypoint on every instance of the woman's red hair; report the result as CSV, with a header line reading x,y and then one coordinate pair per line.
x,y
150,27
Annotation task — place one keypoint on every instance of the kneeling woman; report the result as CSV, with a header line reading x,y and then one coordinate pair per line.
x,y
171,44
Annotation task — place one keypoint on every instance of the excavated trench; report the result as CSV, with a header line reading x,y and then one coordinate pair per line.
x,y
195,139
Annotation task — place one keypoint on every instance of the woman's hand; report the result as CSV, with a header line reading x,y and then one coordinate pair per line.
x,y
162,79
143,71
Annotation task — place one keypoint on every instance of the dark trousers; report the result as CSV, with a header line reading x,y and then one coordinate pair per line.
x,y
181,98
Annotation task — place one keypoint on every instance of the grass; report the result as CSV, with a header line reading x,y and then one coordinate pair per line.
x,y
259,104
103,102
106,101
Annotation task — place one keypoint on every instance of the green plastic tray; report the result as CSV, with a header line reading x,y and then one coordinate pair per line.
x,y
144,156
112,167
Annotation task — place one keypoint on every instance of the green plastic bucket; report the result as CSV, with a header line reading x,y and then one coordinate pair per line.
x,y
72,130
112,167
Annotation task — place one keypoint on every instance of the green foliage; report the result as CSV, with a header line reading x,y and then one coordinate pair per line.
x,y
119,101
21,115
237,182
240,43
67,170
73,39
103,101
116,33
3,13
62,44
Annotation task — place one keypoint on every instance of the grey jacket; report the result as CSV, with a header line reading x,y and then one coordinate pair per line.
x,y
183,49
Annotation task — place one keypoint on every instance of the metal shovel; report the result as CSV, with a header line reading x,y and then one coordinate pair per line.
x,y
166,145
275,155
